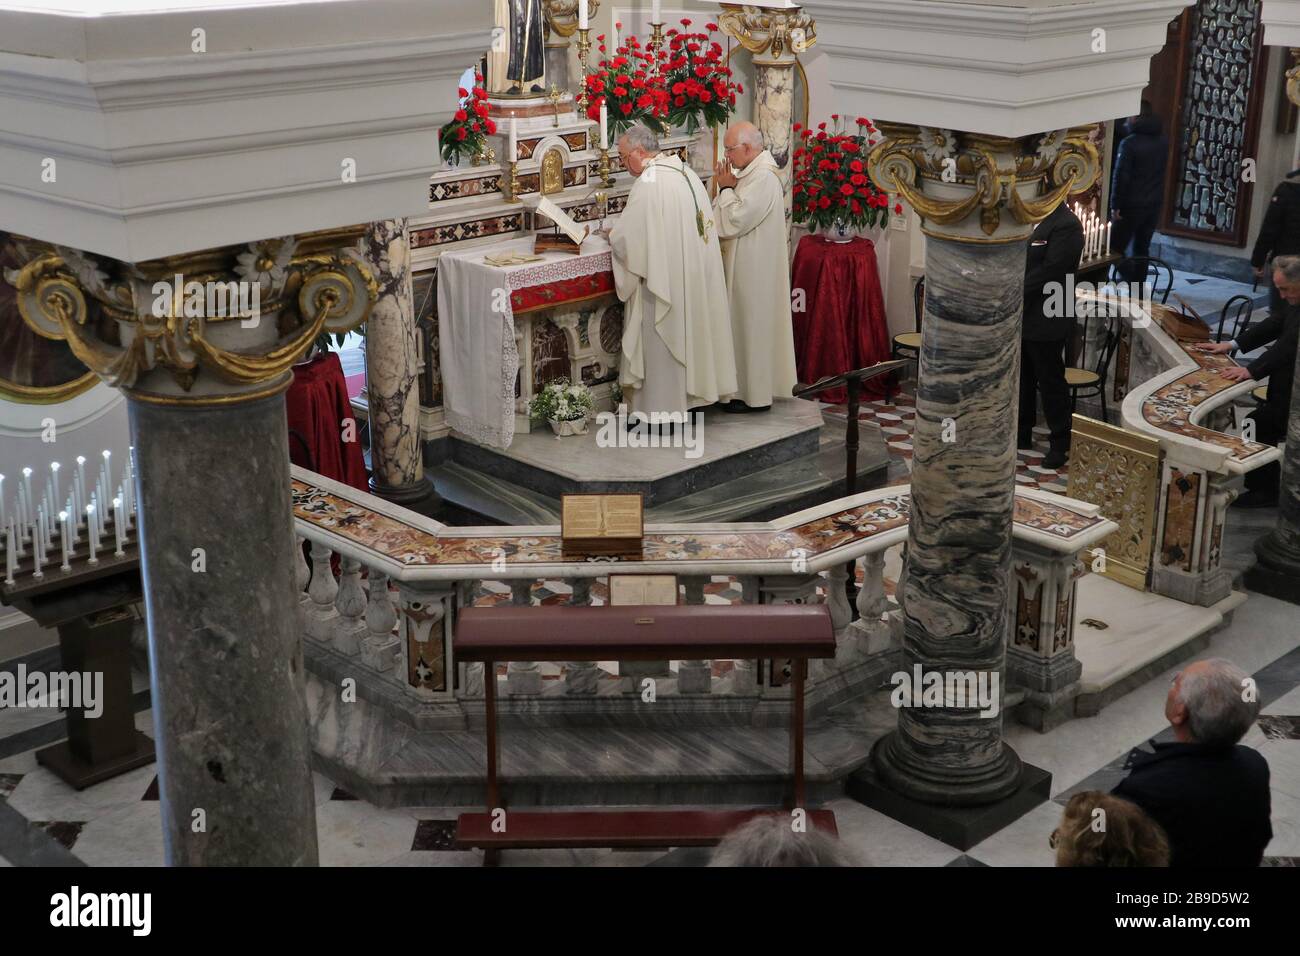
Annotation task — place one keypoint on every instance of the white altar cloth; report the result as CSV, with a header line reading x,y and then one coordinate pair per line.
x,y
478,354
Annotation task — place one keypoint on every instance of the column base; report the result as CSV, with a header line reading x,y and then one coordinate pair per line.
x,y
961,827
420,496
899,771
1277,573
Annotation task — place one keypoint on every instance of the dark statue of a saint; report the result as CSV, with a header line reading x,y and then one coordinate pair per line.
x,y
517,62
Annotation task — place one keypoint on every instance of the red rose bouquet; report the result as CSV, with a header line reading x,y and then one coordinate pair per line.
x,y
467,133
831,185
697,79
629,86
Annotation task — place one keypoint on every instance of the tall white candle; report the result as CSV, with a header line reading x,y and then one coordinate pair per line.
x,y
92,533
57,493
20,511
2,499
513,153
614,48
1108,238
583,22
654,12
130,481
11,554
119,528
38,546
27,486
67,541
81,483
604,126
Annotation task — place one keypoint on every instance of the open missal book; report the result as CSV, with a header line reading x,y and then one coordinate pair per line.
x,y
601,524
573,234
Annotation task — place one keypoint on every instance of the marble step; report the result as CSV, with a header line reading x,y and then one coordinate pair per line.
x,y
771,492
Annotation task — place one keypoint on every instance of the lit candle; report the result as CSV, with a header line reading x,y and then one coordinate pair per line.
x,y
119,528
604,126
81,482
1107,238
513,153
92,533
67,541
11,555
108,468
583,23
55,494
27,486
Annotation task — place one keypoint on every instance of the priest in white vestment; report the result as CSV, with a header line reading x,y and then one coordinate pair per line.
x,y
677,352
750,213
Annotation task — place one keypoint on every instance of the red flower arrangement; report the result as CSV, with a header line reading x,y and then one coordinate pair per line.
x,y
830,178
630,86
697,79
466,134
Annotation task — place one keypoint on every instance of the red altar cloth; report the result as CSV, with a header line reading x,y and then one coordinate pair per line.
x,y
843,327
317,405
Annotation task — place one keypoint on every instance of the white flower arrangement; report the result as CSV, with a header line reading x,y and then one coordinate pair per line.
x,y
561,402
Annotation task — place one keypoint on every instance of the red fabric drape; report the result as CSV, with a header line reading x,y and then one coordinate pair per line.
x,y
317,406
844,325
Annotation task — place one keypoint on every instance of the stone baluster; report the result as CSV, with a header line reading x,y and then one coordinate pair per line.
x,y
582,678
744,676
523,678
380,648
350,603
321,616
694,677
301,575
471,674
873,634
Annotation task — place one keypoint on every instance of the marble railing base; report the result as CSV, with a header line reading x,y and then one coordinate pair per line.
x,y
1045,710
1046,676
1203,589
380,689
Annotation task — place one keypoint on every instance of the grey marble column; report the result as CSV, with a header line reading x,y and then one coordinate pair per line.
x,y
959,536
392,371
225,648
1278,572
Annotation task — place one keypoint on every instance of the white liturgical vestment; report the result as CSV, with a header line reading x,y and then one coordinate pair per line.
x,y
755,254
677,350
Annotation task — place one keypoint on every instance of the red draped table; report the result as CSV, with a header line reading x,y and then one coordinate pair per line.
x,y
317,406
843,326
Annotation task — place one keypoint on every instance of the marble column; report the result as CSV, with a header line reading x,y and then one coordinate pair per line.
x,y
980,197
392,373
218,553
775,38
1277,573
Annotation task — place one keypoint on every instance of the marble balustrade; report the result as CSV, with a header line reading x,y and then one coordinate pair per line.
x,y
388,619
1175,395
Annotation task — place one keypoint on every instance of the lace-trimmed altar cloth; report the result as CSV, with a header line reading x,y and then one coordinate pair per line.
x,y
477,303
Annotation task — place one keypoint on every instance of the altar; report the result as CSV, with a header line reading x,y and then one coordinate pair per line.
x,y
508,330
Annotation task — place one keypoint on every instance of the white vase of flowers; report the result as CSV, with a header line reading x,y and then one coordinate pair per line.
x,y
565,407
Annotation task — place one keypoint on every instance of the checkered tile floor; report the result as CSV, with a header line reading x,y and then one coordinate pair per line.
x,y
897,418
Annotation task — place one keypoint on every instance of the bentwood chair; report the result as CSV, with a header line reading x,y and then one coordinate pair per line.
x,y
907,345
1091,382
1157,272
1238,310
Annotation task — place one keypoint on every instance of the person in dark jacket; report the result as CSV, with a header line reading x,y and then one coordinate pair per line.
x,y
1277,364
1054,252
1280,233
1209,793
1137,190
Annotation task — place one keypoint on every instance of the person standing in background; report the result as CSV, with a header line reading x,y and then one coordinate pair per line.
x,y
1280,233
1138,190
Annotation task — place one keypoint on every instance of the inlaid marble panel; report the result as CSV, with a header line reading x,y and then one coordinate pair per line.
x,y
1181,498
415,547
470,229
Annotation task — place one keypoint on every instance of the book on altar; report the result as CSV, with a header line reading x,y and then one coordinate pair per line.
x,y
573,234
601,524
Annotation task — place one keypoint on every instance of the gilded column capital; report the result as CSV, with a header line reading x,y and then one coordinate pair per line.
x,y
204,328
774,37
972,187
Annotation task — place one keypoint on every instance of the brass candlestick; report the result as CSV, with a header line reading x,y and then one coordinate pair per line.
x,y
511,183
656,35
606,179
584,50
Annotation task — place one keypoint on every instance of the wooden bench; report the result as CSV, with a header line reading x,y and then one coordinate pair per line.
x,y
692,632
